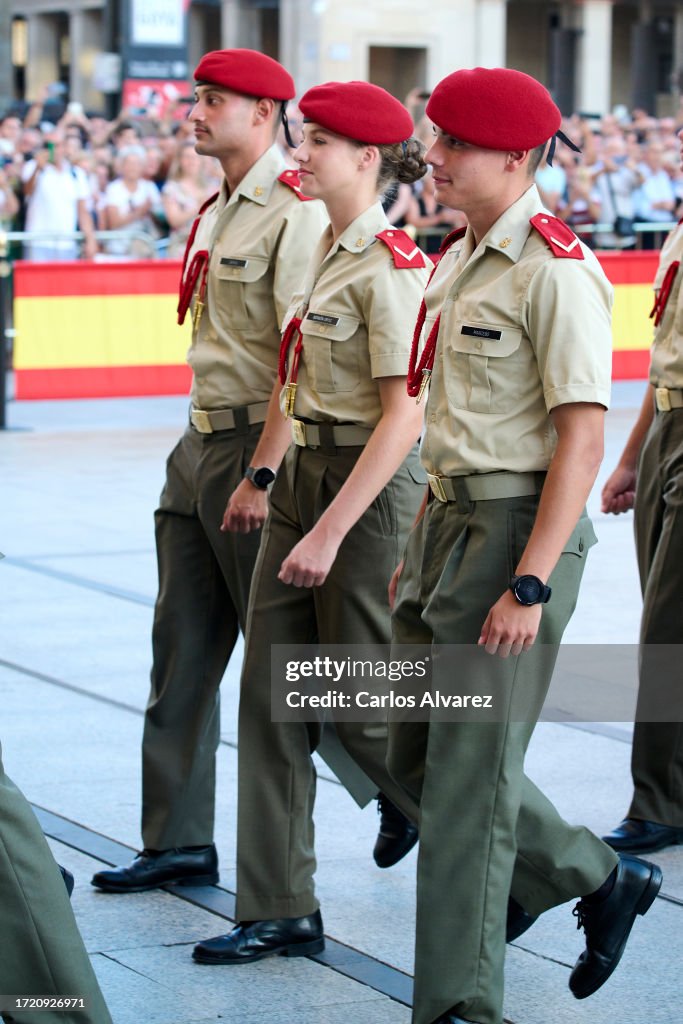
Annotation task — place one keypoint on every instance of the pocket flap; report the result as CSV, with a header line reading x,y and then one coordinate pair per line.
x,y
323,324
491,340
240,268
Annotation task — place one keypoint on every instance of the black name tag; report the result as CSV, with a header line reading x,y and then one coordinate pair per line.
x,y
231,261
482,332
320,318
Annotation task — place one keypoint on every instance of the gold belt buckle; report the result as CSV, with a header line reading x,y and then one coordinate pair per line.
x,y
201,421
299,433
663,399
437,487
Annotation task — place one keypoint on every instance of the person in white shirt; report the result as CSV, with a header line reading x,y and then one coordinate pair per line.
x,y
57,196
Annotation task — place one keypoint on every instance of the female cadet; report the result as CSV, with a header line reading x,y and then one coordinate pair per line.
x,y
342,506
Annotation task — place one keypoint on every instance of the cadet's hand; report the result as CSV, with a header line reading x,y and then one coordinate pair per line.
x,y
309,561
246,510
619,492
393,584
510,627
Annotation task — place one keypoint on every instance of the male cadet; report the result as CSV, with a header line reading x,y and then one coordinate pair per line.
x,y
519,351
650,474
245,257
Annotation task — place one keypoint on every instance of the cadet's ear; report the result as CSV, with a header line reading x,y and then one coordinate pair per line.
x,y
515,159
368,156
263,110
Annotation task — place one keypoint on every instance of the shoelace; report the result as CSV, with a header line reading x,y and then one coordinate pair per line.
x,y
580,914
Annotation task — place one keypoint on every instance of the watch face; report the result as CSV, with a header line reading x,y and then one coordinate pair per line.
x,y
263,477
528,589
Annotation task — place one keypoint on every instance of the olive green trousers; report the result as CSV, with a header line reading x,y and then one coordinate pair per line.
x,y
486,831
41,950
275,836
204,581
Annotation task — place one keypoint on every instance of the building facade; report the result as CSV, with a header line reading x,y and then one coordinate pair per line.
x,y
593,54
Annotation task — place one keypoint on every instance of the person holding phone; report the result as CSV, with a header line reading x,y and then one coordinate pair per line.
x,y
57,196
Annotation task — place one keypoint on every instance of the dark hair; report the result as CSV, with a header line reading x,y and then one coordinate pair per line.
x,y
401,161
535,157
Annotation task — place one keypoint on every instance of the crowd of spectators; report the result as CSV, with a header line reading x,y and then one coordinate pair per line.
x,y
140,179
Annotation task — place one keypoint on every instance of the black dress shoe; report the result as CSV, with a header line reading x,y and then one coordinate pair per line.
x,y
636,836
396,837
254,940
607,924
518,921
68,879
194,865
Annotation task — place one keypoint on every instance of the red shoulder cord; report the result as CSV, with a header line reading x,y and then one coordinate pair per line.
x,y
420,372
188,280
663,294
294,326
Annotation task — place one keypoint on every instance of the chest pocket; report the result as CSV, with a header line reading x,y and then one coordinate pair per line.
x,y
331,350
485,366
244,290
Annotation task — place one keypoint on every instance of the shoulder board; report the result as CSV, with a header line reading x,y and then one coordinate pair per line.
x,y
562,241
407,255
291,178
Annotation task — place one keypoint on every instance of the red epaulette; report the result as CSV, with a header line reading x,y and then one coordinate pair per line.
x,y
562,241
291,178
407,255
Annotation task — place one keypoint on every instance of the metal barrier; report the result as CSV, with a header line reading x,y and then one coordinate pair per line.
x,y
154,250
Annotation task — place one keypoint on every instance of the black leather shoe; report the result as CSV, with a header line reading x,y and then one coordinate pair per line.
x,y
396,837
68,879
636,836
607,924
254,940
196,865
518,921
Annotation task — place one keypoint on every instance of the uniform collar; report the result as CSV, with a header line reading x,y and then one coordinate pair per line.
x,y
510,232
259,181
361,232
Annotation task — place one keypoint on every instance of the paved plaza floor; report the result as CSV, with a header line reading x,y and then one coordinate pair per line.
x,y
80,481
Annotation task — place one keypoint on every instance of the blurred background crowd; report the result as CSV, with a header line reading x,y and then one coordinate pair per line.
x,y
131,187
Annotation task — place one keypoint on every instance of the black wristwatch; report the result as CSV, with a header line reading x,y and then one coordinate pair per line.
x,y
261,478
530,590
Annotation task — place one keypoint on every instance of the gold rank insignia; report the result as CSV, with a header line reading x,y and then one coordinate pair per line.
x,y
505,242
360,242
258,191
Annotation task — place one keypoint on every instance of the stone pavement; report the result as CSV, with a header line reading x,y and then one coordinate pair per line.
x,y
79,483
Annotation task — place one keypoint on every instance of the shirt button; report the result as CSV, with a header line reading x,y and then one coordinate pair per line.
x,y
456,295
478,344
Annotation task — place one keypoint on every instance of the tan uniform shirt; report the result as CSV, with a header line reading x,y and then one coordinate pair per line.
x,y
259,240
358,311
521,332
666,366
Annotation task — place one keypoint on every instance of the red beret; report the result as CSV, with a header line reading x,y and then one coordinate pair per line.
x,y
494,108
358,111
246,71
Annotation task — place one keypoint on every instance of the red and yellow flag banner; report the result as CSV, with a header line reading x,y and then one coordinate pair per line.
x,y
96,330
